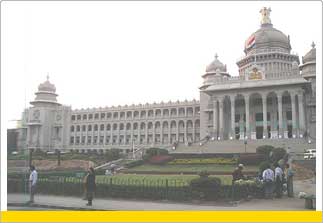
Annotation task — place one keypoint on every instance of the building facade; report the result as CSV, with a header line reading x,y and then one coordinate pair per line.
x,y
273,97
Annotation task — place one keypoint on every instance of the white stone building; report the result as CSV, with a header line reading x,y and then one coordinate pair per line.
x,y
272,98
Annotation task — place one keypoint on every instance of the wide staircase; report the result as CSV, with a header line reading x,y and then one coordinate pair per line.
x,y
239,146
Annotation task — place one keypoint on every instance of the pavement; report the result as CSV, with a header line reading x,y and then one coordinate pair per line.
x,y
18,201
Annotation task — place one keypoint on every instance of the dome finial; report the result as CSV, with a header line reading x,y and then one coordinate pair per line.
x,y
216,56
313,44
265,15
47,77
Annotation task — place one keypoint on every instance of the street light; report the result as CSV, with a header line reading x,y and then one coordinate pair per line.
x,y
245,143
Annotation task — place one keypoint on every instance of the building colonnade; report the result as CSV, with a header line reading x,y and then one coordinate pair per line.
x,y
284,108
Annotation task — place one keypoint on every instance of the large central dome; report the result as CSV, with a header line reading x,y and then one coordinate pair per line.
x,y
267,37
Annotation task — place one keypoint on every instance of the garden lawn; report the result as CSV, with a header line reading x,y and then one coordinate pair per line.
x,y
189,168
156,180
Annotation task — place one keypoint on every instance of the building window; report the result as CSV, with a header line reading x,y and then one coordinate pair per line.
x,y
95,127
89,140
72,140
78,128
84,117
95,140
101,127
83,128
73,118
77,140
268,116
78,117
101,140
109,115
72,128
102,115
237,118
289,115
259,117
90,116
96,116
83,140
89,128
107,140
108,127
115,115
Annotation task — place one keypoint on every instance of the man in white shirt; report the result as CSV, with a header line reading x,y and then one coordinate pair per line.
x,y
32,183
279,181
268,179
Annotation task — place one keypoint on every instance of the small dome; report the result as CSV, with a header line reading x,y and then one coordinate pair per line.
x,y
216,65
47,86
311,55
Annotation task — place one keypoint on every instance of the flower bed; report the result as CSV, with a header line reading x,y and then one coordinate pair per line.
x,y
219,160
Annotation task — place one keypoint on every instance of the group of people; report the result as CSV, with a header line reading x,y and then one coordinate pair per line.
x,y
273,178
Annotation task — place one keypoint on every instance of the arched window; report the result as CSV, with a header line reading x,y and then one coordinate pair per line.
x,y
78,128
115,126
142,126
102,127
108,127
72,128
89,127
95,127
121,126
83,128
128,126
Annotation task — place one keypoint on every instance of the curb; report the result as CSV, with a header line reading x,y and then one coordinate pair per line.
x,y
54,207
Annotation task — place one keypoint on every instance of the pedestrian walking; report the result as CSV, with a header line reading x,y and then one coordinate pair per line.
x,y
90,186
268,179
279,181
32,183
289,180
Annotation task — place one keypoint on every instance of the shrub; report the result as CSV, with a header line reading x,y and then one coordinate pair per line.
x,y
134,163
263,165
206,187
265,150
251,159
204,173
160,159
155,152
277,154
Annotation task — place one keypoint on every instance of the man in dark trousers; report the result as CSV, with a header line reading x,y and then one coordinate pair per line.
x,y
237,173
90,186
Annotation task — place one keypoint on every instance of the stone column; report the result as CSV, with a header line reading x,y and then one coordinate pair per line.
x,y
177,129
193,134
246,96
154,132
221,118
264,115
146,132
233,133
301,114
280,114
169,132
292,96
215,118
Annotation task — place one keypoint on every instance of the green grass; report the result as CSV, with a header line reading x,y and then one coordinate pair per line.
x,y
189,168
145,179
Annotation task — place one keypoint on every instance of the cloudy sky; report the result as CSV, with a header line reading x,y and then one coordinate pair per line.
x,y
115,53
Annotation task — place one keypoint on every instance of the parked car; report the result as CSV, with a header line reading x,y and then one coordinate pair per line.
x,y
310,154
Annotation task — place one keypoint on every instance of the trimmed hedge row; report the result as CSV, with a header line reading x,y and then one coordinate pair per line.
x,y
75,187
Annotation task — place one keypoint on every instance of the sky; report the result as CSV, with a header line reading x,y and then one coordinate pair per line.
x,y
115,53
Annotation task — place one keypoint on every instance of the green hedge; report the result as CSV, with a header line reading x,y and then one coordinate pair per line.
x,y
218,160
127,189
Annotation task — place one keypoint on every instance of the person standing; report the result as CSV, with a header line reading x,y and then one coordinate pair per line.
x,y
32,183
90,186
268,179
279,181
289,178
237,173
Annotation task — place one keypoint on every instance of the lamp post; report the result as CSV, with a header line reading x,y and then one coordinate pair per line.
x,y
58,157
245,144
30,156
